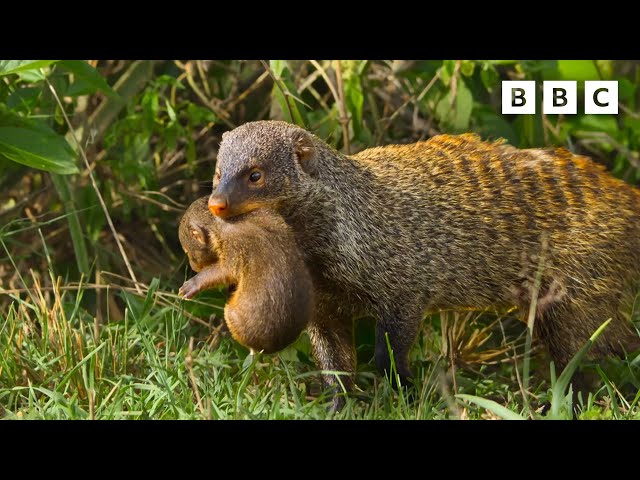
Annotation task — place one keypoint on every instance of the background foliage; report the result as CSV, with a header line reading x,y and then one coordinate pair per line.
x,y
99,158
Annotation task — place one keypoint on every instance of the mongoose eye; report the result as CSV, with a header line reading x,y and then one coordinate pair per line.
x,y
255,176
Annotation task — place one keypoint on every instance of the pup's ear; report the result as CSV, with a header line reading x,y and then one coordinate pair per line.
x,y
305,151
198,232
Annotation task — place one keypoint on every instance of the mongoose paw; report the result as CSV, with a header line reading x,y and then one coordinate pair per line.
x,y
402,380
401,372
337,403
383,363
189,289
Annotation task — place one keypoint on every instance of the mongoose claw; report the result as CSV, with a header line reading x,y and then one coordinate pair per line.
x,y
189,289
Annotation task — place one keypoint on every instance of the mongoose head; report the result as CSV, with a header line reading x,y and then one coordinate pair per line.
x,y
196,235
258,164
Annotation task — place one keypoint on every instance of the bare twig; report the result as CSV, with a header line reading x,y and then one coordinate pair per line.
x,y
192,378
128,85
326,78
97,319
308,81
174,87
532,316
624,108
92,402
547,125
453,83
95,187
523,392
452,359
163,206
221,114
412,99
285,93
203,77
632,157
248,91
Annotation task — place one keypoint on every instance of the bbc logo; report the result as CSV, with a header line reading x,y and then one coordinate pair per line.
x,y
600,97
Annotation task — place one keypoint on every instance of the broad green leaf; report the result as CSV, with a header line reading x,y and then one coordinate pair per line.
x,y
634,125
547,68
171,112
502,62
598,123
36,149
443,108
467,67
150,107
10,118
91,78
606,69
455,117
489,77
446,71
529,130
579,70
24,99
79,87
492,406
464,105
31,76
492,125
14,66
626,91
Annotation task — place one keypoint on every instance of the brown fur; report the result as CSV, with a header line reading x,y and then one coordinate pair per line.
x,y
273,297
451,222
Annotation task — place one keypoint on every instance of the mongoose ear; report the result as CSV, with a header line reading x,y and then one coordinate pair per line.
x,y
198,232
305,151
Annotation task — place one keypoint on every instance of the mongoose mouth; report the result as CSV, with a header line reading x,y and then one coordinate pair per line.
x,y
231,289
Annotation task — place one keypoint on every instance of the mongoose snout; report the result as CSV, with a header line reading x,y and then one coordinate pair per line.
x,y
218,206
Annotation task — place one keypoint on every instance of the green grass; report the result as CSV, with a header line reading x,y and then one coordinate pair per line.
x,y
158,362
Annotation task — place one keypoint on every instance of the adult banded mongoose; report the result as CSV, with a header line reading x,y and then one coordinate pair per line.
x,y
454,221
272,301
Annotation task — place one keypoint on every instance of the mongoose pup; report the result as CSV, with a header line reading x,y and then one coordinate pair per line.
x,y
454,221
273,297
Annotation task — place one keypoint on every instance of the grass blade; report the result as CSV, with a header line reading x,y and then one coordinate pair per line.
x,y
560,387
75,229
492,406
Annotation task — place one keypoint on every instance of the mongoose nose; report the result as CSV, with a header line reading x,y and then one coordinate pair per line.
x,y
217,206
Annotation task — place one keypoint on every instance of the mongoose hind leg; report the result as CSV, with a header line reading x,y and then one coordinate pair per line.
x,y
401,328
567,327
331,335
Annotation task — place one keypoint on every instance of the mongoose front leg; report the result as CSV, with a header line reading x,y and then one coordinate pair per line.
x,y
209,277
331,335
401,329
